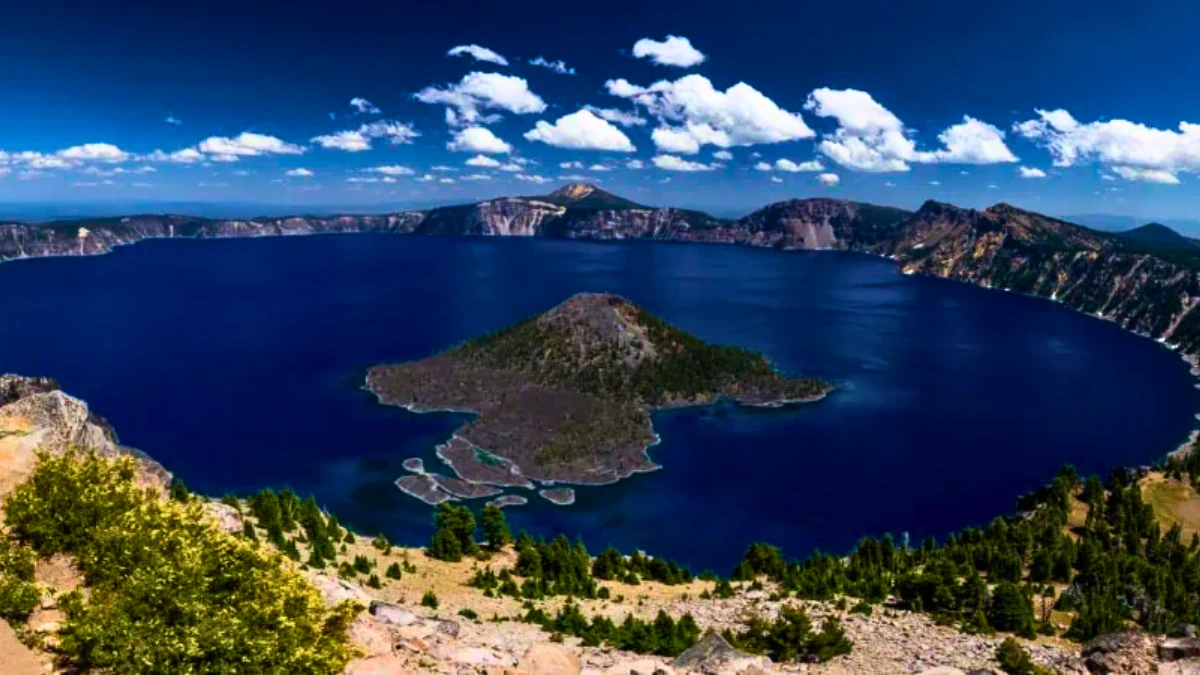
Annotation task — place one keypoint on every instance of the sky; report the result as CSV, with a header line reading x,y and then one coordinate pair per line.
x,y
1059,107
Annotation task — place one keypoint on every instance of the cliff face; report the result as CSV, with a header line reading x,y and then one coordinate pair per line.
x,y
1148,284
101,235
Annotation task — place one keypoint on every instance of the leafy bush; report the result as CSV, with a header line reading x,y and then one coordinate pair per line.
x,y
169,592
18,594
1014,660
430,600
468,613
791,638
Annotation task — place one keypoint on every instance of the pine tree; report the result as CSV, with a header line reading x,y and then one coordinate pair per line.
x,y
495,527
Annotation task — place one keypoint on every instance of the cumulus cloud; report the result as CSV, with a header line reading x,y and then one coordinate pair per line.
x,y
678,141
478,140
723,155
599,167
581,130
570,165
674,51
101,152
763,166
362,105
829,179
691,106
185,156
478,53
557,66
673,163
1162,176
171,119
245,144
1131,150
792,167
1030,172
870,137
477,176
776,179
483,161
392,170
622,117
535,179
300,173
635,164
476,92
359,140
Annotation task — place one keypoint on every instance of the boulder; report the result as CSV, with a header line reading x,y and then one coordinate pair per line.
x,y
547,658
1126,652
713,654
640,667
1179,649
393,614
387,664
942,670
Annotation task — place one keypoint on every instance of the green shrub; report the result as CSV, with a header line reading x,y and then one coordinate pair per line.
x,y
169,592
429,600
1015,660
468,613
374,582
393,571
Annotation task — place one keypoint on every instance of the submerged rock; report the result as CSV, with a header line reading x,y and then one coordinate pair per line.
x,y
508,500
414,464
559,496
423,487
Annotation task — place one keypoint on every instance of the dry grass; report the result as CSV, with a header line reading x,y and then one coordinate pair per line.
x,y
1173,502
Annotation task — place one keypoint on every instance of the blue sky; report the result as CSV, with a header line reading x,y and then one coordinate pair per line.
x,y
1055,106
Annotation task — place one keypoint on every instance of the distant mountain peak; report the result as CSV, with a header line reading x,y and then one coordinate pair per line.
x,y
587,195
575,191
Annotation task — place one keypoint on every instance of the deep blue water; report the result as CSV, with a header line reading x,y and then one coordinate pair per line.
x,y
237,364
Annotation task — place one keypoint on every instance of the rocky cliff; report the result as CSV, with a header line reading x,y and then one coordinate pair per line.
x,y
1147,284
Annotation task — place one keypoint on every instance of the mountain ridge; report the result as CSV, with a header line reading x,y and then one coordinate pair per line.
x,y
1150,286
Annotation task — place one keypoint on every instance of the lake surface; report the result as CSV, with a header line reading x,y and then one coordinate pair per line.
x,y
238,365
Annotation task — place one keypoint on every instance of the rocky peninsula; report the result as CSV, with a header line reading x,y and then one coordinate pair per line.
x,y
566,397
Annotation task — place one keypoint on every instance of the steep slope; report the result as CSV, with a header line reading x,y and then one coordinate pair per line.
x,y
588,196
1157,235
566,396
815,224
1093,272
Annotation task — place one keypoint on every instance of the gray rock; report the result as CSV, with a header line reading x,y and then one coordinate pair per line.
x,y
713,654
393,614
1178,649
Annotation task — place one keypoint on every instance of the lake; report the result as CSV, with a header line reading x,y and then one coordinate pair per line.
x,y
238,364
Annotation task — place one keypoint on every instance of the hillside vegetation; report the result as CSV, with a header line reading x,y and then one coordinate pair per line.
x,y
167,591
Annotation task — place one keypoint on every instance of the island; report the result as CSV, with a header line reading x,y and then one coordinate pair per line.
x,y
558,496
565,397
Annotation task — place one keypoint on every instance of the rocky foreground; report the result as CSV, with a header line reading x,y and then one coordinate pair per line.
x,y
469,633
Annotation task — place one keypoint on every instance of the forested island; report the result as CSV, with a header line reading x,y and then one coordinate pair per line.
x,y
566,396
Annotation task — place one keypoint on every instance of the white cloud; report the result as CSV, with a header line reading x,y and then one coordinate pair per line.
x,y
426,178
830,179
723,155
935,183
763,166
776,179
442,167
246,144
185,156
482,161
673,163
392,170
870,138
102,152
570,165
635,164
1147,175
478,53
358,140
1030,172
512,167
622,117
171,119
973,142
557,66
738,116
599,167
478,140
674,51
446,181
477,176
362,105
678,141
482,91
300,173
792,167
1140,152
535,179
581,130
579,177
